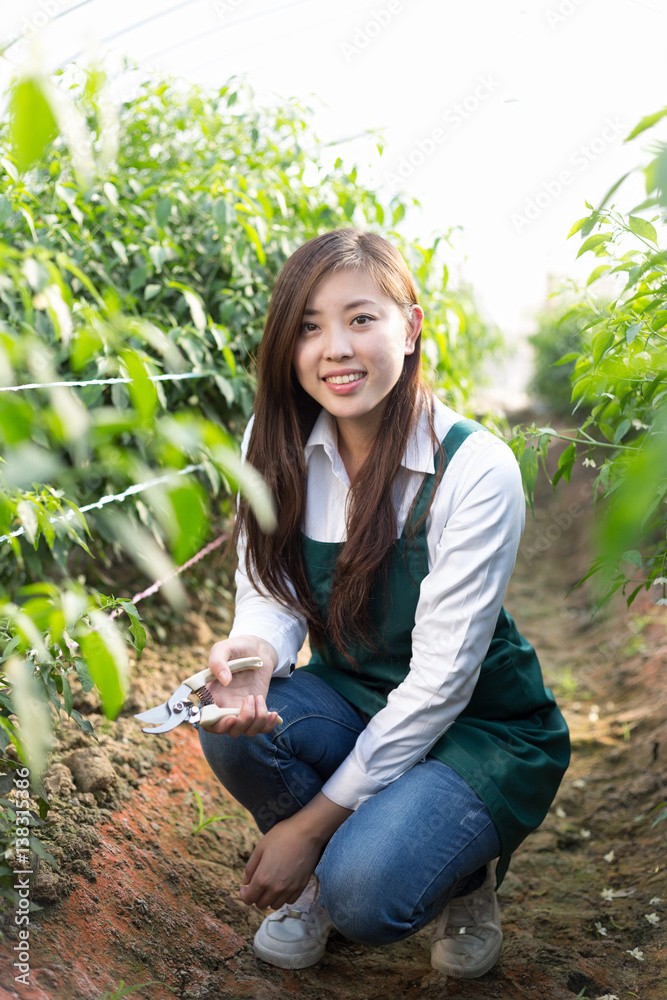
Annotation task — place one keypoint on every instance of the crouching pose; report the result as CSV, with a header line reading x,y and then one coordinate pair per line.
x,y
419,746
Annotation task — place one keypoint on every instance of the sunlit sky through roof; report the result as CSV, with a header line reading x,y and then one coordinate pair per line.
x,y
485,106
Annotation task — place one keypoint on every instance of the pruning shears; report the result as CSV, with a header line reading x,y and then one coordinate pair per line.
x,y
178,708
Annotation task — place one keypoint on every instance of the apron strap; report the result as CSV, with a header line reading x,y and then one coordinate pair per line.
x,y
450,445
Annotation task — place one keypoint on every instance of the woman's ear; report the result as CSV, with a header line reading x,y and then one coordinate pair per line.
x,y
414,328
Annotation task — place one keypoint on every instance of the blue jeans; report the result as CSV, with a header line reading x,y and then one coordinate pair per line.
x,y
395,863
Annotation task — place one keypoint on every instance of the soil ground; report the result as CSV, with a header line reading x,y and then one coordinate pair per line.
x,y
138,898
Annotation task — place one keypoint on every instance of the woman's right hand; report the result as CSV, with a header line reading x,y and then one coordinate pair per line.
x,y
244,689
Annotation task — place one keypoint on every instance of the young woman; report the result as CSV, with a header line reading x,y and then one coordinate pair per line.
x,y
419,745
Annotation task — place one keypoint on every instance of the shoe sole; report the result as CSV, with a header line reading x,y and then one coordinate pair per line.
x,y
456,972
302,961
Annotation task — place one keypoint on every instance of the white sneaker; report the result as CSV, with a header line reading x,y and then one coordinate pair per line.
x,y
295,936
467,937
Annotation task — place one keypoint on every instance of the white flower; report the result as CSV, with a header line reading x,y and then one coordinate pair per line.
x,y
609,395
578,783
602,931
589,463
652,918
608,996
616,893
662,602
585,834
609,857
636,953
660,581
560,812
593,715
639,426
655,901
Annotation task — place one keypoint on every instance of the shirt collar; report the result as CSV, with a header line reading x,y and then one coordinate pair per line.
x,y
418,454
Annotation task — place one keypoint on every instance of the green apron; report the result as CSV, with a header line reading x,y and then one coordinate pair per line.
x,y
510,743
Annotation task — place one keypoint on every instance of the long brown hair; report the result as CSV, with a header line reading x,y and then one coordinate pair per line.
x,y
284,417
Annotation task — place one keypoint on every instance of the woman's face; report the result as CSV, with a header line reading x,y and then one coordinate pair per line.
x,y
350,350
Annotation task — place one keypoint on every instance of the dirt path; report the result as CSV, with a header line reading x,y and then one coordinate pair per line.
x,y
140,898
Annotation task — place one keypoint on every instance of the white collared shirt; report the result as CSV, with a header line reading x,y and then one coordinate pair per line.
x,y
472,532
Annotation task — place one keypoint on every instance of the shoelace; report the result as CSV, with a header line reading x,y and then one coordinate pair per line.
x,y
297,910
463,915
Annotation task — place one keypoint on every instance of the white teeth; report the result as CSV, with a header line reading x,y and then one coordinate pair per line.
x,y
343,379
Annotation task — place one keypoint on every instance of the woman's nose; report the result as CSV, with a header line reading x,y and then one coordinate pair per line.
x,y
338,342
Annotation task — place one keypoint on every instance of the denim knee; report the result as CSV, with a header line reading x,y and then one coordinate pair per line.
x,y
362,904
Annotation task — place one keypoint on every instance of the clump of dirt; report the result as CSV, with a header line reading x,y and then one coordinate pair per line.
x,y
139,897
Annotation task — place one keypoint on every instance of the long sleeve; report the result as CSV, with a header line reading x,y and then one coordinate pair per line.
x,y
476,522
260,615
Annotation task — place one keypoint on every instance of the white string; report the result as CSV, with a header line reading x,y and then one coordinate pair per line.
x,y
137,488
103,381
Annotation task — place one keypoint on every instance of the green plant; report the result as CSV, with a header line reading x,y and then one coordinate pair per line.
x,y
557,343
202,822
123,990
661,815
622,367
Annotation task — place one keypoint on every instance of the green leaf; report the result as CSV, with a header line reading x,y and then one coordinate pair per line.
x,y
5,209
142,390
107,669
594,275
163,211
622,430
641,227
601,343
528,466
111,192
565,464
612,190
120,250
194,305
10,168
256,242
84,674
633,330
645,123
188,526
158,256
136,628
28,518
633,557
594,241
83,724
138,277
67,696
32,122
577,226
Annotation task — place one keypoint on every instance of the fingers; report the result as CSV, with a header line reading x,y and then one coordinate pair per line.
x,y
253,718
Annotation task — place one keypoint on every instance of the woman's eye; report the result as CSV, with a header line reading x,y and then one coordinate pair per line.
x,y
362,320
308,327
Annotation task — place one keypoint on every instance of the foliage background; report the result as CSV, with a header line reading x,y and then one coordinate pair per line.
x,y
618,402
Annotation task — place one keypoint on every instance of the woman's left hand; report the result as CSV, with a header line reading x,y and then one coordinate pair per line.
x,y
280,866
286,856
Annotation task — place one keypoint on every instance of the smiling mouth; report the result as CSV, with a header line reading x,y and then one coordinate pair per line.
x,y
344,379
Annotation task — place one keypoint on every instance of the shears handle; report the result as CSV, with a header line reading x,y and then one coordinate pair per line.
x,y
210,714
204,676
